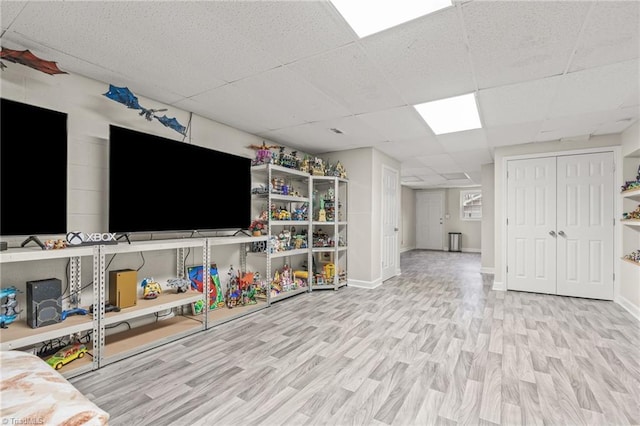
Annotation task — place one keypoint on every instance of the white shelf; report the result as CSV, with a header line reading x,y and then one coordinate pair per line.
x,y
154,245
19,334
630,222
631,193
286,253
24,254
149,306
290,293
278,170
289,198
289,222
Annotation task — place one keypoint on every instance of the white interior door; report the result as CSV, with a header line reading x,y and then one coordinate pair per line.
x,y
531,225
585,225
390,252
429,223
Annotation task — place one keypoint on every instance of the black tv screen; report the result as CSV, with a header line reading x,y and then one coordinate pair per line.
x,y
162,185
33,170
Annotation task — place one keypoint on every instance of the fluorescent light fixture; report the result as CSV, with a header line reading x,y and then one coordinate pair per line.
x,y
451,115
371,16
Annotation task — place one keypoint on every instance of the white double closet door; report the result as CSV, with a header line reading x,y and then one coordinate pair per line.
x,y
560,225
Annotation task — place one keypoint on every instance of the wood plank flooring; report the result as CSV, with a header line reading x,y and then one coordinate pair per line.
x,y
435,346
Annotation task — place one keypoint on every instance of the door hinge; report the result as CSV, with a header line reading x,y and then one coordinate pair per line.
x,y
507,269
507,221
614,221
614,276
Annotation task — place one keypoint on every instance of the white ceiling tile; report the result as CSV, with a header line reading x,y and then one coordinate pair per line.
x,y
10,10
472,159
425,59
585,124
514,134
432,179
517,103
397,124
596,89
286,90
515,41
463,141
611,34
416,171
442,163
407,149
347,75
318,138
287,29
237,108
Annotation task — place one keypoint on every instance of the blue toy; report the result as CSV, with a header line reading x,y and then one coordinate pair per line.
x,y
10,306
74,311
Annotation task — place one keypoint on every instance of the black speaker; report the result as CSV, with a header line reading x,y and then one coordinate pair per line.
x,y
44,302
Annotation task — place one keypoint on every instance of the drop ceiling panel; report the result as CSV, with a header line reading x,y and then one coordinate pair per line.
x,y
289,30
517,103
514,134
417,171
584,124
596,89
471,160
515,41
611,34
404,150
286,90
10,10
463,141
347,75
236,108
356,134
425,59
442,163
397,124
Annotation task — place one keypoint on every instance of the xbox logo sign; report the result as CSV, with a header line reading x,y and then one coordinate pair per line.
x,y
75,238
78,238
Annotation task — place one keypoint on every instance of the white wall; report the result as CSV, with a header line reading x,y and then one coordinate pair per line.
x,y
487,227
408,219
364,168
470,229
500,183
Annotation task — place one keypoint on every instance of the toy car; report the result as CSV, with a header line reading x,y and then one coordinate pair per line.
x,y
66,355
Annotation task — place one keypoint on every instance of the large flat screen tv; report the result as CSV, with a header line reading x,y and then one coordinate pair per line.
x,y
33,170
162,185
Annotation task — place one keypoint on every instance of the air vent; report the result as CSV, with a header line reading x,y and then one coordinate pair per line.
x,y
336,131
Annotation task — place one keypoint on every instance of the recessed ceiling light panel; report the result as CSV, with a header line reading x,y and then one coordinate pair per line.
x,y
371,16
451,114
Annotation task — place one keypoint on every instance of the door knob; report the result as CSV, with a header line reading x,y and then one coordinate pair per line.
x,y
561,233
552,233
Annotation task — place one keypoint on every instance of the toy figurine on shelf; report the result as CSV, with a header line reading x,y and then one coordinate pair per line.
x,y
263,153
180,284
10,309
317,167
340,171
150,288
322,214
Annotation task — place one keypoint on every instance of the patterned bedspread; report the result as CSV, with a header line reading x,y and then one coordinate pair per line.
x,y
33,393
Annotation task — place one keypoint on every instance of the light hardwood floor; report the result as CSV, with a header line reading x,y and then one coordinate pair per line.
x,y
433,346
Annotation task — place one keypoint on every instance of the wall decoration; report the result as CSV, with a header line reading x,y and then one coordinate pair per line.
x,y
124,96
25,57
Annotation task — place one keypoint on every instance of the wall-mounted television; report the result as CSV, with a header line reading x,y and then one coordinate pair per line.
x,y
158,184
33,170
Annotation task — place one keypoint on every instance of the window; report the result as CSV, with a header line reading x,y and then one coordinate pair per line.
x,y
471,205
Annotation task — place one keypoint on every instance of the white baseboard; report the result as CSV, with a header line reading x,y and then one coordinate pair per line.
x,y
487,271
365,284
628,306
470,250
498,286
402,250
